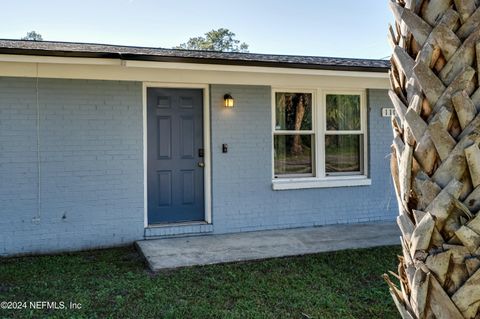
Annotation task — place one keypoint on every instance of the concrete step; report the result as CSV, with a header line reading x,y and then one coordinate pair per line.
x,y
212,249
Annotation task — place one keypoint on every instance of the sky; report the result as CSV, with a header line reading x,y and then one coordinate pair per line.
x,y
349,28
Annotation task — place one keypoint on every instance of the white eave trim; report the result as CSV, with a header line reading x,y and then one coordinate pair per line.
x,y
185,66
251,69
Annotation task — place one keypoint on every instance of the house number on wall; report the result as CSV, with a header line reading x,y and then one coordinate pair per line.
x,y
388,112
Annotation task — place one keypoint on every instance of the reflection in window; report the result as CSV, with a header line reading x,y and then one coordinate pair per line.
x,y
343,112
293,111
300,144
293,154
342,153
293,134
344,134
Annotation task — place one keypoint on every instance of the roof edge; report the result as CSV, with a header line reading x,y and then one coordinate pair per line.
x,y
216,60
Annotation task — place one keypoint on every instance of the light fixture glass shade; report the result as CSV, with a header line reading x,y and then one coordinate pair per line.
x,y
228,101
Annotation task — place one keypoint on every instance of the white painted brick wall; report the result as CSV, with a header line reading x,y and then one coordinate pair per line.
x,y
91,164
92,167
243,199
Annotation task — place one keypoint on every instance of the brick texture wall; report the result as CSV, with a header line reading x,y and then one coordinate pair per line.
x,y
91,185
243,199
91,151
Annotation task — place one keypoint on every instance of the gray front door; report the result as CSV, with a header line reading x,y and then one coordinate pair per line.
x,y
175,155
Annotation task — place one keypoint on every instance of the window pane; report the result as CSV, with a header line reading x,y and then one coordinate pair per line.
x,y
293,154
343,112
293,111
342,153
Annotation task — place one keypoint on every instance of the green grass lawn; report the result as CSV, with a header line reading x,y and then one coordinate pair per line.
x,y
114,283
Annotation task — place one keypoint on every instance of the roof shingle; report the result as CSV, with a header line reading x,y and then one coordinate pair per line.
x,y
73,49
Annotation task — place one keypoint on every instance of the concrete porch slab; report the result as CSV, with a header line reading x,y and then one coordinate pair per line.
x,y
213,249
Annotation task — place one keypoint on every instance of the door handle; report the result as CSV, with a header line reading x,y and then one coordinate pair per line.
x,y
201,164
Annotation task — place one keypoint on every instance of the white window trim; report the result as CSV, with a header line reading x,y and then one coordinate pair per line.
x,y
313,131
313,182
320,179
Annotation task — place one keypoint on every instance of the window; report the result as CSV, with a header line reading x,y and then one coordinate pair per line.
x,y
343,134
319,142
293,134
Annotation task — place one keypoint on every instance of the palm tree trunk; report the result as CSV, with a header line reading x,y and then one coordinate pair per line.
x,y
435,159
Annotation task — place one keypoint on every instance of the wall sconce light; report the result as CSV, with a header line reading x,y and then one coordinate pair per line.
x,y
228,101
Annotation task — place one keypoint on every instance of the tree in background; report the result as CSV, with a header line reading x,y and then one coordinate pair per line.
x,y
435,159
33,36
216,40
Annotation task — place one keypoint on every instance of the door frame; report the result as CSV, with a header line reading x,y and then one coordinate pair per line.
x,y
206,144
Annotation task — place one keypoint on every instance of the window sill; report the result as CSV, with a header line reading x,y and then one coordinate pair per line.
x,y
313,182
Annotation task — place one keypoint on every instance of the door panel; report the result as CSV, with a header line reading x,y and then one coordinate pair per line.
x,y
187,137
174,140
164,102
164,188
186,102
164,137
188,186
